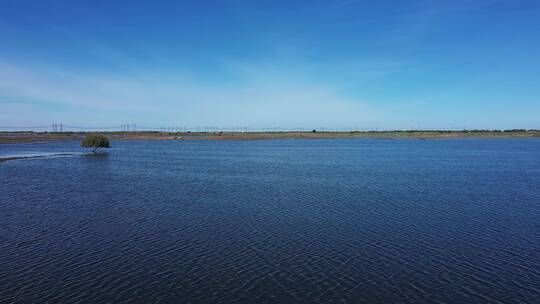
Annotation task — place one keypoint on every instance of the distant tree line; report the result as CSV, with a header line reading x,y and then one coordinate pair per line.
x,y
451,131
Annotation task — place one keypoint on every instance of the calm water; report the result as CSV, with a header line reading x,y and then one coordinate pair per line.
x,y
284,221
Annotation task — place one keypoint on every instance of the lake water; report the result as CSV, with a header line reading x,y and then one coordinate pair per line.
x,y
279,221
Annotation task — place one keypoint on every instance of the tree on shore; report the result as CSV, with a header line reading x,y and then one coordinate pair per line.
x,y
95,141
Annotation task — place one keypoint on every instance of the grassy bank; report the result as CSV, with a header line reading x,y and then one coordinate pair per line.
x,y
33,137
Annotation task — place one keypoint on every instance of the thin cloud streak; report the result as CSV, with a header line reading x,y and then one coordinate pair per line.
x,y
264,97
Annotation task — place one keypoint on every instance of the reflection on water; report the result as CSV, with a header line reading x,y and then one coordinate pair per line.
x,y
98,155
292,221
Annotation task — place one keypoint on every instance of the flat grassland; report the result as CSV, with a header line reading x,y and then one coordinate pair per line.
x,y
33,137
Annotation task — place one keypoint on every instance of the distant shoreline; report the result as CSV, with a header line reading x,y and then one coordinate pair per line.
x,y
36,137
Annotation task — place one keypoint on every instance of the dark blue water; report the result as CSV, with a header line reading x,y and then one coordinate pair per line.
x,y
283,221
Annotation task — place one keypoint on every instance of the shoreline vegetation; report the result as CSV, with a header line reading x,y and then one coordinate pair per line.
x,y
37,137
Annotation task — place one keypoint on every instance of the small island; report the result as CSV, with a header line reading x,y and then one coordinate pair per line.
x,y
95,141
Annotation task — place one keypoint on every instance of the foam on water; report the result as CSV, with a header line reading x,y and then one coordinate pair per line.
x,y
34,154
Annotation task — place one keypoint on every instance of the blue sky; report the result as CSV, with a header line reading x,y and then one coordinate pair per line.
x,y
260,64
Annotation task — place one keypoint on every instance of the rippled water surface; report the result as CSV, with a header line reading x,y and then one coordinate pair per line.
x,y
281,221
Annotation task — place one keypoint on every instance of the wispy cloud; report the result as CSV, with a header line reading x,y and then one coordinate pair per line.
x,y
262,96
